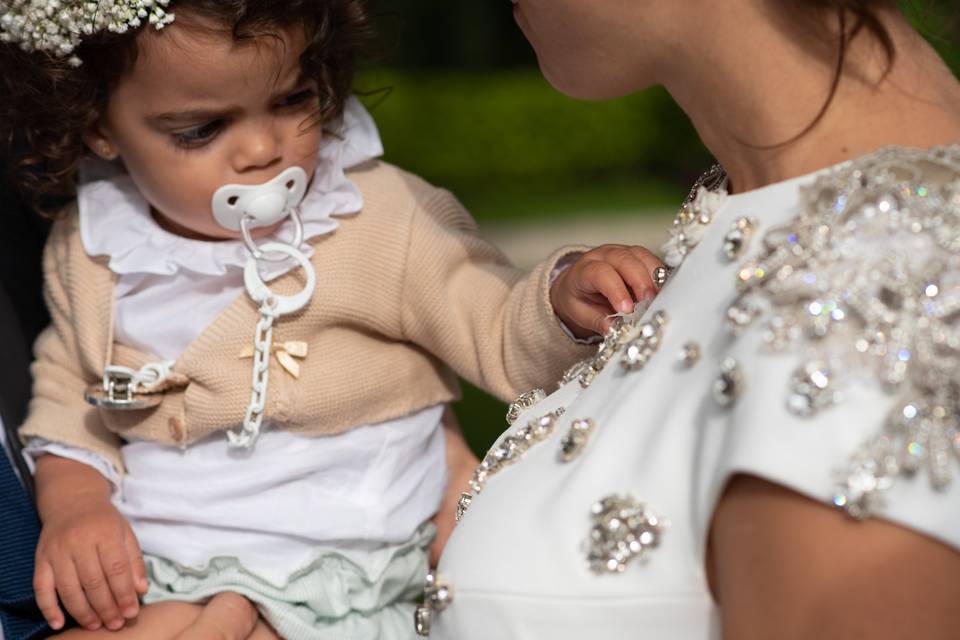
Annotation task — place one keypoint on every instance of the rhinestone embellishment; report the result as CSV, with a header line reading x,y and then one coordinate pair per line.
x,y
689,355
740,316
660,275
641,348
918,435
866,279
512,447
622,529
811,389
463,504
737,239
422,617
706,198
437,596
523,402
729,384
640,341
575,440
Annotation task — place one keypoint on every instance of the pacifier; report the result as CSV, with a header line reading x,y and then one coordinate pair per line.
x,y
241,207
264,204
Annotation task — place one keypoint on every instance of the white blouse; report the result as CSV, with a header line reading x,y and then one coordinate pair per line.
x,y
273,506
810,338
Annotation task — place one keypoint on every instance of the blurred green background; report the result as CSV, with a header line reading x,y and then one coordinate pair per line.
x,y
459,100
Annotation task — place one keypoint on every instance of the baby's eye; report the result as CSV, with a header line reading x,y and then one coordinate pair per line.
x,y
297,98
197,136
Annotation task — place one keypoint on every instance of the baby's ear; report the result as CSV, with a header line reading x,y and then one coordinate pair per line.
x,y
99,142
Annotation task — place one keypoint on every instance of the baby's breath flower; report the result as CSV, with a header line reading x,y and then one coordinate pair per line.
x,y
56,27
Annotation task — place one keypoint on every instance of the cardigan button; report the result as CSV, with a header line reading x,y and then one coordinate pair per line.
x,y
177,429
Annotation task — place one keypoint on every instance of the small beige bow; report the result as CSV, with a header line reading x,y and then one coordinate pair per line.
x,y
285,353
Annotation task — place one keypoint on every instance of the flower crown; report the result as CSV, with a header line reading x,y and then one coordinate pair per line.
x,y
56,27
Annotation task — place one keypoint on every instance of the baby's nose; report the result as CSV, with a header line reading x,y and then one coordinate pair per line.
x,y
258,147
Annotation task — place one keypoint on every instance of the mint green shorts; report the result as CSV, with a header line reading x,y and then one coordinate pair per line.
x,y
361,597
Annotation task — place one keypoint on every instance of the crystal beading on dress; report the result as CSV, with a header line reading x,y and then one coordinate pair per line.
x,y
706,198
867,278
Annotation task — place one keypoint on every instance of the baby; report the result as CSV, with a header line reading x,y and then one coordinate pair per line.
x,y
317,506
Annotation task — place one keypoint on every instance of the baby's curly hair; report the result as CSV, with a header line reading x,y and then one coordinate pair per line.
x,y
47,104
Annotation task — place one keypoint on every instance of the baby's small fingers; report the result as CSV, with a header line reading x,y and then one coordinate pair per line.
x,y
603,278
73,597
119,573
590,316
649,260
44,586
135,557
96,586
637,276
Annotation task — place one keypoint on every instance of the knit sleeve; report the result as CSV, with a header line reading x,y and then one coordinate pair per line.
x,y
57,411
464,302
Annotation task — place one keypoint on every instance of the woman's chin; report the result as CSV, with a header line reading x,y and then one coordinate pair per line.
x,y
583,86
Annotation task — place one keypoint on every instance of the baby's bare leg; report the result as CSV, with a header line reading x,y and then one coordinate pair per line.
x,y
228,616
160,621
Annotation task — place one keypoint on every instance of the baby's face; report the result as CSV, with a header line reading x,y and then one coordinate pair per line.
x,y
200,110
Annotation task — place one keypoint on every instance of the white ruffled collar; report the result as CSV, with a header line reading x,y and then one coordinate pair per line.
x,y
115,218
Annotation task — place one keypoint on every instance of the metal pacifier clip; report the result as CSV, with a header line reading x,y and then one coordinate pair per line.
x,y
240,208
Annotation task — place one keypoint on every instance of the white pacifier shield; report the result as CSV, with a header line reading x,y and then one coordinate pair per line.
x,y
265,204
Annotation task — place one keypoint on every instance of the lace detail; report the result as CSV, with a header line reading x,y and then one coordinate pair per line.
x,y
867,279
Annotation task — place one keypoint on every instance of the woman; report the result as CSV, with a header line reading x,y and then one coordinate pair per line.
x,y
771,450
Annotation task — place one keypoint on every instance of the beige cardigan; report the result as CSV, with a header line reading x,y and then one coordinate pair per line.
x,y
405,289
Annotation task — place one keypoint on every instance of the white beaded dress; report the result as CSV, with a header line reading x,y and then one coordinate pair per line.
x,y
810,337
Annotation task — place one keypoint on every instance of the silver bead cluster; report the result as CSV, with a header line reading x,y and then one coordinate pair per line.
x,y
512,447
642,342
622,530
575,440
57,27
811,389
523,402
637,341
729,384
738,238
867,279
463,503
437,596
919,435
706,199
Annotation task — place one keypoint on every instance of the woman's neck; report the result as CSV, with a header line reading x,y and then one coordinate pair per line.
x,y
750,98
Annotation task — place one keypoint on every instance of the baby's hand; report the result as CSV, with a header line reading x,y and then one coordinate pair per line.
x,y
88,554
606,280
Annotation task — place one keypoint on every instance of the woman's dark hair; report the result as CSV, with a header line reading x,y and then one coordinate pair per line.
x,y
852,18
46,104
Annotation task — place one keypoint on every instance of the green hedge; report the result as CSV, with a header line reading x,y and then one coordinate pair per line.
x,y
465,130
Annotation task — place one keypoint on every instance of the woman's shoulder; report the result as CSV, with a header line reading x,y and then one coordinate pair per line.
x,y
850,339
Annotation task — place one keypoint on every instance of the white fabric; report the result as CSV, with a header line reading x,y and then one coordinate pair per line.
x,y
274,507
270,508
517,560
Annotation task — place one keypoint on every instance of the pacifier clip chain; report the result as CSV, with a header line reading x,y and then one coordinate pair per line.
x,y
242,207
262,345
